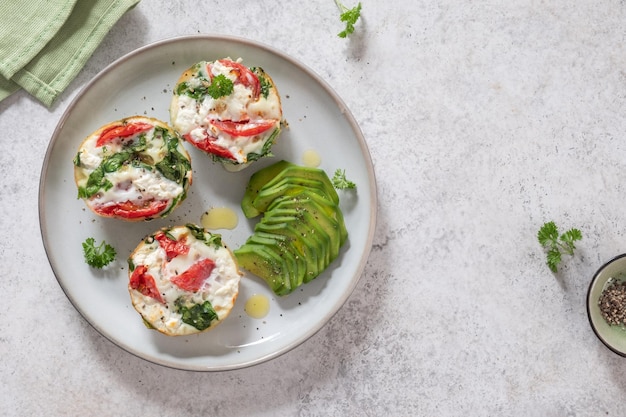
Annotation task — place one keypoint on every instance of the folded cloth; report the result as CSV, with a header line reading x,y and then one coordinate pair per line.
x,y
26,28
45,43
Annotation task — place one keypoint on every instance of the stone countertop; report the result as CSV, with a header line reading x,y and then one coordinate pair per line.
x,y
484,120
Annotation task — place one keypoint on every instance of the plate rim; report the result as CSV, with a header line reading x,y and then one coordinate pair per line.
x,y
345,111
589,302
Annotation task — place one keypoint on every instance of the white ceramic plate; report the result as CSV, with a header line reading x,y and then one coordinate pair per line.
x,y
141,83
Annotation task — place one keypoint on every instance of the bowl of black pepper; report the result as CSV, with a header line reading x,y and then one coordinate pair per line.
x,y
606,304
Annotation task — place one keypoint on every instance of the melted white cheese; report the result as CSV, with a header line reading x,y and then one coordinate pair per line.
x,y
187,115
134,184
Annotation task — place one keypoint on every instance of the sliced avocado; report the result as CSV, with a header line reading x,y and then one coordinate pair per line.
x,y
317,238
266,265
295,263
322,215
303,200
259,239
302,193
304,243
282,247
287,187
297,171
256,182
286,212
298,235
302,229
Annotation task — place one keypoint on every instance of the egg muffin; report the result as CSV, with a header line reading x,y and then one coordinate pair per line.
x,y
133,169
183,280
227,110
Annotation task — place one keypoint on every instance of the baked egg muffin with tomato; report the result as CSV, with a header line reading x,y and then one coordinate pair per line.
x,y
133,169
227,110
183,280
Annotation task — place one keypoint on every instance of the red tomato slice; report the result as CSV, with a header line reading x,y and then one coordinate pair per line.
x,y
143,282
122,131
243,128
193,278
172,247
208,146
244,76
130,210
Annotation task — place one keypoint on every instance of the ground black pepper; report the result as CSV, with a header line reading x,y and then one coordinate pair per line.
x,y
612,303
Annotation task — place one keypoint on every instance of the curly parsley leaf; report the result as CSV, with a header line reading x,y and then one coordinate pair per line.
x,y
100,255
569,237
349,17
340,181
557,244
220,86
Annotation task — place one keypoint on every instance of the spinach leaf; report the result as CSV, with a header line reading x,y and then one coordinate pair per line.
x,y
174,166
199,316
196,93
95,183
265,86
264,83
111,163
267,146
199,233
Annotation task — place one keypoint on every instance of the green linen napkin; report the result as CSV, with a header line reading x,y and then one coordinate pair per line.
x,y
45,43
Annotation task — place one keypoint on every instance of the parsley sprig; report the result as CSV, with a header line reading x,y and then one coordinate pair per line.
x,y
98,256
220,86
340,181
349,16
556,244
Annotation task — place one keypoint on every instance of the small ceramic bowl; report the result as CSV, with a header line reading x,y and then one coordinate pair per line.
x,y
614,337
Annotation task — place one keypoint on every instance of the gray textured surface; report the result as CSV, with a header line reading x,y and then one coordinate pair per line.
x,y
484,119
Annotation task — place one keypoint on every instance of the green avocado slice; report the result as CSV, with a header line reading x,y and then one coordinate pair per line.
x,y
266,265
256,182
303,242
287,187
316,237
329,217
294,172
302,229
295,264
